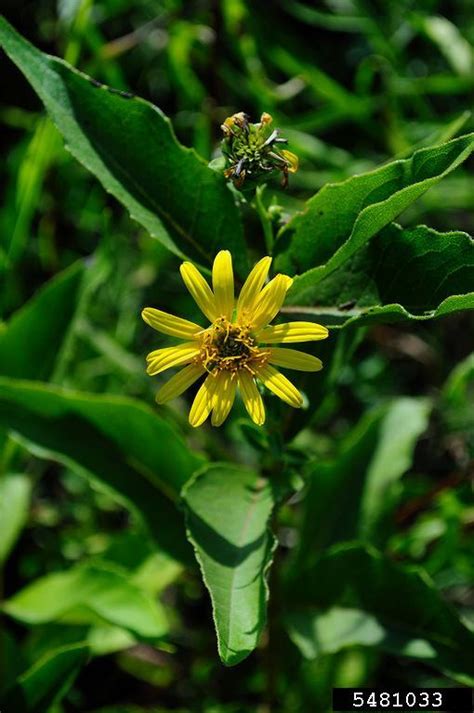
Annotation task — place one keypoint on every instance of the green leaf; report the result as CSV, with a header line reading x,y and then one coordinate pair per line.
x,y
451,43
12,659
354,494
32,339
342,217
404,273
398,609
117,442
84,593
457,397
46,682
227,512
130,146
15,492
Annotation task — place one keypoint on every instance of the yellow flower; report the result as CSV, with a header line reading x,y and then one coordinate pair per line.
x,y
236,349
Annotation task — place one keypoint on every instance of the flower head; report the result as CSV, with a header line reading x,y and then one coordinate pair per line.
x,y
236,350
254,150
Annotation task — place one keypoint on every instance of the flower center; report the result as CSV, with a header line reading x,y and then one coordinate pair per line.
x,y
230,347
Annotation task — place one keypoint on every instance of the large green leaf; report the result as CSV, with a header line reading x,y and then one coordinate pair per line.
x,y
227,512
353,495
46,681
130,146
412,273
397,608
342,217
32,339
84,593
15,492
118,442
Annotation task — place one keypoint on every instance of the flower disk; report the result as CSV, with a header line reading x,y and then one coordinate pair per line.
x,y
236,349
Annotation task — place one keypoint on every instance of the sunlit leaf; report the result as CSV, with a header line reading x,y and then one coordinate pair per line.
x,y
89,591
404,273
15,491
343,217
130,146
227,511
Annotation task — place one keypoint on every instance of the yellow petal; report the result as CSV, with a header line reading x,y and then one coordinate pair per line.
x,y
224,397
293,359
169,324
179,383
162,359
292,160
251,398
293,332
252,286
203,401
199,289
280,385
270,301
223,284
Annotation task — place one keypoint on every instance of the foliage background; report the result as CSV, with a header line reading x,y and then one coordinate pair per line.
x,y
352,85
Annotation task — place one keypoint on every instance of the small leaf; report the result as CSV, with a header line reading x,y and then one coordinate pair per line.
x,y
15,492
227,512
97,590
32,339
46,682
404,273
390,606
130,146
342,217
117,442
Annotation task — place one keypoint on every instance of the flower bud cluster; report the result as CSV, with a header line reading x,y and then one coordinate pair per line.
x,y
253,151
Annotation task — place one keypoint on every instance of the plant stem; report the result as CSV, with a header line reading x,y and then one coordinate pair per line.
x,y
264,218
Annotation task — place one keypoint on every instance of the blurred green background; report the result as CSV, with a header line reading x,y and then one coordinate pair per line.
x,y
352,83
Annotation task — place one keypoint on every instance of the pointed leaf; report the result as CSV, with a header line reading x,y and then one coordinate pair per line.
x,y
30,342
404,273
100,590
46,682
117,442
353,495
130,146
227,512
342,217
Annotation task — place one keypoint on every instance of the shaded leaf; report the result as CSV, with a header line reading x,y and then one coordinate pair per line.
x,y
119,443
97,590
32,339
46,682
15,492
227,512
404,613
457,397
342,217
130,146
353,495
412,273
12,658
